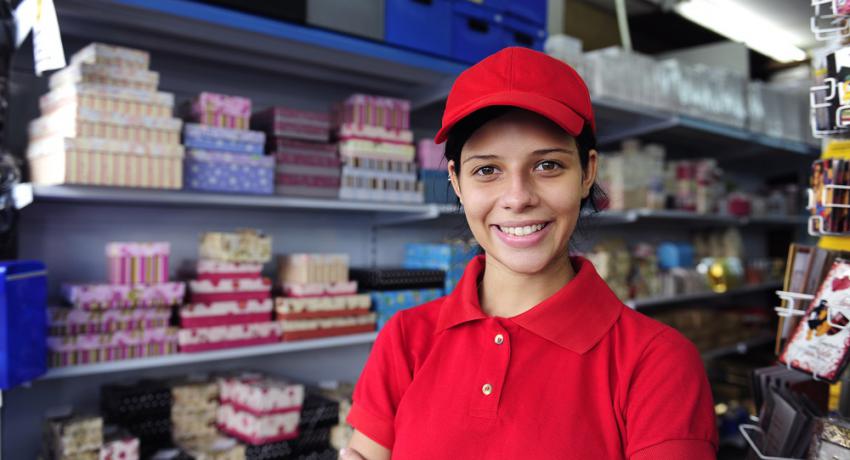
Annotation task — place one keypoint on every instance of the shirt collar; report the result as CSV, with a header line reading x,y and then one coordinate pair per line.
x,y
576,317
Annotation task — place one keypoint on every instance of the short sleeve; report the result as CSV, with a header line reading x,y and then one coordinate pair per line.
x,y
669,411
384,380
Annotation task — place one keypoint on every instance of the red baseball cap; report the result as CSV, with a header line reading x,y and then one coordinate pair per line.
x,y
524,78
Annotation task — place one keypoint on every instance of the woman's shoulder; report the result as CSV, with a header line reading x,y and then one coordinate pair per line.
x,y
650,337
419,320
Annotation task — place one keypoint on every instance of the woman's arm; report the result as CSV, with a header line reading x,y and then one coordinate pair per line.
x,y
362,448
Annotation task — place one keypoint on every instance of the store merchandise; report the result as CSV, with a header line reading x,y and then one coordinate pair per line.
x,y
433,173
287,123
341,393
377,151
710,329
306,168
259,410
633,178
397,278
448,257
819,345
135,263
119,445
230,301
104,123
319,299
23,321
219,110
143,409
828,202
193,409
787,420
73,437
125,319
214,447
832,438
388,303
222,154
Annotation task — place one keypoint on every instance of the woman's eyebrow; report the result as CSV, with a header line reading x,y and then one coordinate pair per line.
x,y
554,150
480,157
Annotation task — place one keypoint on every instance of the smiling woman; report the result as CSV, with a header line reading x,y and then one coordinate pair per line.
x,y
532,355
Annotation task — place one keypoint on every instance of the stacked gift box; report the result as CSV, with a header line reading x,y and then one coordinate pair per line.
x,y
73,437
222,154
123,319
193,410
376,148
143,409
433,172
452,258
319,299
341,394
395,289
104,123
307,163
230,302
259,410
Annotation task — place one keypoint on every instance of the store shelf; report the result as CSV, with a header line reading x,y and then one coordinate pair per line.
x,y
218,355
739,348
201,31
639,304
649,215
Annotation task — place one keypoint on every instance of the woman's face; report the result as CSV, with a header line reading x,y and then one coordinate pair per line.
x,y
521,184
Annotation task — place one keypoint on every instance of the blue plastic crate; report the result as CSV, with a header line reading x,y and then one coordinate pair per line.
x,y
523,33
476,31
23,322
423,25
530,10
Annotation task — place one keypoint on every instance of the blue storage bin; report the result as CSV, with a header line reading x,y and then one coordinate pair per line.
x,y
530,10
499,5
476,32
23,322
522,33
424,25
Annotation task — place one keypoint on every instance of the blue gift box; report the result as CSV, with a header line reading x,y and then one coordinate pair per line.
x,y
228,172
449,257
388,303
23,322
203,137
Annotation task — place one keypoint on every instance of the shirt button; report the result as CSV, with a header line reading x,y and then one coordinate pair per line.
x,y
500,339
487,389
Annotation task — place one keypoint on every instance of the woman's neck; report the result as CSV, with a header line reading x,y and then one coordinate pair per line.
x,y
505,293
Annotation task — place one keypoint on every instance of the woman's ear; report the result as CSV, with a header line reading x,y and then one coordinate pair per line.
x,y
588,177
454,180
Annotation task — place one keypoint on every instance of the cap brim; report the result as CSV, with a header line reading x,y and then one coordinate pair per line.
x,y
559,113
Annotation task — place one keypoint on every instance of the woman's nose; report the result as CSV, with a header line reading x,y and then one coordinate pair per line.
x,y
519,193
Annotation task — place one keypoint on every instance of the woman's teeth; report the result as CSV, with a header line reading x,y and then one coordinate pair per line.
x,y
522,231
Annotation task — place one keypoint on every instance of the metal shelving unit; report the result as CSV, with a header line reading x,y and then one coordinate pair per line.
x,y
739,348
640,304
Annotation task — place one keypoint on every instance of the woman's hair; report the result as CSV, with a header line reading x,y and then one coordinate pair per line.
x,y
464,129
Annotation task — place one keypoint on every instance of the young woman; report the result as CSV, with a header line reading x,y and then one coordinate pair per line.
x,y
531,356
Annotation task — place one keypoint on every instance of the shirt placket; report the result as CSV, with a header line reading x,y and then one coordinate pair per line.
x,y
492,369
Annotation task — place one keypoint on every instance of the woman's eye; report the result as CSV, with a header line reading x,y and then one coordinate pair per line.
x,y
485,171
547,166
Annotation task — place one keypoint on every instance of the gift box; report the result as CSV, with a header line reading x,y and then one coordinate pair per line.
x,y
77,121
357,147
221,110
107,296
107,98
225,313
213,448
138,263
322,307
327,327
229,290
204,137
296,147
260,395
219,337
229,172
367,110
74,435
294,124
128,77
217,270
243,246
102,54
194,424
319,289
313,268
121,345
75,321
120,447
379,189
305,445
194,396
307,185
300,163
91,162
256,429
431,156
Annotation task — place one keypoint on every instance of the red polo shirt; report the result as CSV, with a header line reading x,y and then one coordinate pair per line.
x,y
578,376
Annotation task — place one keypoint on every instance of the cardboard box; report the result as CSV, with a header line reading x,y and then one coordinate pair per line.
x,y
229,290
205,137
229,172
74,321
226,313
102,54
108,296
221,110
85,73
108,98
293,124
219,337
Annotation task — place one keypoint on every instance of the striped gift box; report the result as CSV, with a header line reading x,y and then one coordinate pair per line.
x,y
138,263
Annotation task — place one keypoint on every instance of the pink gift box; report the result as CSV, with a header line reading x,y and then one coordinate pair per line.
x,y
222,110
255,429
368,110
93,348
291,123
314,161
124,448
106,296
430,155
228,290
322,307
73,321
225,313
217,270
292,146
218,337
319,289
138,263
259,395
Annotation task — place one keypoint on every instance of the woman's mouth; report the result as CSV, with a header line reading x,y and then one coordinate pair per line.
x,y
521,236
522,231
